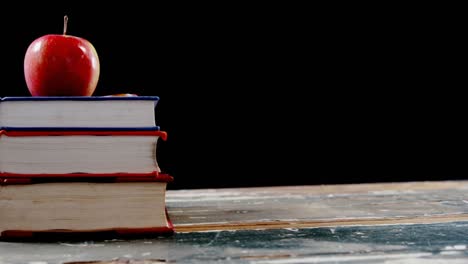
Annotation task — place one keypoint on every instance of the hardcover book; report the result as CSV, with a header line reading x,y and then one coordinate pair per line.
x,y
78,111
51,207
62,151
81,166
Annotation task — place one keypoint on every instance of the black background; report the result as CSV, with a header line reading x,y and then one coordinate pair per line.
x,y
275,95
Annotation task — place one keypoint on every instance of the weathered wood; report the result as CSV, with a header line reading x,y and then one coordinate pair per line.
x,y
365,223
390,244
315,206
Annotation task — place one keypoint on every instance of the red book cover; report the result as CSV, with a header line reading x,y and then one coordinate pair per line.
x,y
14,178
29,132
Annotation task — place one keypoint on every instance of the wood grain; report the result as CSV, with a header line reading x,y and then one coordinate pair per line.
x,y
315,206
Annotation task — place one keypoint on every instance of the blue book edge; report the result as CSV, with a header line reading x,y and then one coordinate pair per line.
x,y
79,98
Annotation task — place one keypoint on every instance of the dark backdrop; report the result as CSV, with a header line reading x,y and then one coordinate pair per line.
x,y
274,95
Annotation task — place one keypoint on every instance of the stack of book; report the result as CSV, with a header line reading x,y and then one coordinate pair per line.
x,y
73,166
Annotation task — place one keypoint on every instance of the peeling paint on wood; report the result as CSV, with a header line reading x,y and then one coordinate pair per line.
x,y
315,206
350,244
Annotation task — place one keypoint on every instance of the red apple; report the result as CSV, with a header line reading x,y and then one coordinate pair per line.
x,y
61,65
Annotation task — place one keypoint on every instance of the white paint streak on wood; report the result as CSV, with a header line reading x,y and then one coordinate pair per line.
x,y
325,259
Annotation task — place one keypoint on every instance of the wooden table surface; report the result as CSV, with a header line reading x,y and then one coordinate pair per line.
x,y
357,223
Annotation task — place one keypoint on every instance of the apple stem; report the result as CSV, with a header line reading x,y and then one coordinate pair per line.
x,y
65,22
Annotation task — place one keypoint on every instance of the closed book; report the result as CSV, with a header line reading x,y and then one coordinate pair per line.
x,y
61,151
78,111
54,207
